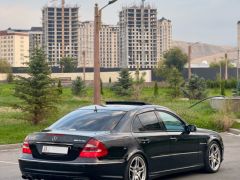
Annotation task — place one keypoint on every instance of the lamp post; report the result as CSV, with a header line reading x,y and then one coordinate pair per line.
x,y
97,27
190,58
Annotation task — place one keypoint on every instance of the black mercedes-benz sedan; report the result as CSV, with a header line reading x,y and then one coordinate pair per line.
x,y
130,141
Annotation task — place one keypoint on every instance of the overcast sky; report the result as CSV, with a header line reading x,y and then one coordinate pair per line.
x,y
209,21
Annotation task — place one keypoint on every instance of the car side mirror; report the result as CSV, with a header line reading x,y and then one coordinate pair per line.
x,y
191,128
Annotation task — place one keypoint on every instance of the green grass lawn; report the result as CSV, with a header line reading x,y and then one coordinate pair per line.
x,y
14,127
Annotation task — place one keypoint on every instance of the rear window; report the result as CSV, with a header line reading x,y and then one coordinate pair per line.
x,y
89,120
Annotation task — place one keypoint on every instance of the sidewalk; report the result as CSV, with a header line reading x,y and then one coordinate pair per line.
x,y
10,146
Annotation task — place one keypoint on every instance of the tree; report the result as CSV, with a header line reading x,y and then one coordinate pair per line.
x,y
175,81
37,92
5,67
138,83
10,77
155,90
68,64
60,90
101,86
124,85
175,58
78,87
195,88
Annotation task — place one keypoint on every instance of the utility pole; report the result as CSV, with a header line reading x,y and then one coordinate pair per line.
x,y
189,61
97,21
84,65
226,66
97,26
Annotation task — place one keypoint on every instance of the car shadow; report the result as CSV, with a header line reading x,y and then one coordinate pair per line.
x,y
180,175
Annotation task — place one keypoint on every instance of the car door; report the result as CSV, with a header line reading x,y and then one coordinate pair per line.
x,y
152,140
184,146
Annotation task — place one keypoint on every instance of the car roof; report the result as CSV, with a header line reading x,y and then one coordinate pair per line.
x,y
121,107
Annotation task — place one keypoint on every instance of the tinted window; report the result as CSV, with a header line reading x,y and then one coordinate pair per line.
x,y
171,122
88,120
149,121
137,125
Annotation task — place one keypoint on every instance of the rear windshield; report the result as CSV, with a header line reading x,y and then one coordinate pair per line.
x,y
89,120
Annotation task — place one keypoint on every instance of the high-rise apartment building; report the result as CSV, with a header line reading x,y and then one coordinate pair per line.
x,y
109,51
35,38
55,44
164,36
86,44
14,47
138,37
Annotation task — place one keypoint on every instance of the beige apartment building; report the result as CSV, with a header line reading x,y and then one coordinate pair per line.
x,y
14,47
86,44
164,36
109,53
109,49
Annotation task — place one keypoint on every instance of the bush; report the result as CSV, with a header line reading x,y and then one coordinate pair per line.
x,y
155,90
175,80
10,78
78,87
223,121
195,88
124,86
59,86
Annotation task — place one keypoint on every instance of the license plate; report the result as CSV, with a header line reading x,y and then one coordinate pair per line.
x,y
55,150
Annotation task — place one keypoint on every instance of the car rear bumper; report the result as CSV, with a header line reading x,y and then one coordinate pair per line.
x,y
40,169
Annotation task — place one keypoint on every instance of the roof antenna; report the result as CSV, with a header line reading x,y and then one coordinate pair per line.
x,y
95,110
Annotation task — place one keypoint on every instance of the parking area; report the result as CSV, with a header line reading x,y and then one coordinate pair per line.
x,y
230,169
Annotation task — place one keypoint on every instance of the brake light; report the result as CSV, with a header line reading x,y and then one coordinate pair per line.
x,y
25,148
94,149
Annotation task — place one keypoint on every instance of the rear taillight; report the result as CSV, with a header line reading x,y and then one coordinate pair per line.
x,y
94,149
25,148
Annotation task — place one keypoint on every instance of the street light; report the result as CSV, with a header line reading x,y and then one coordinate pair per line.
x,y
97,24
189,59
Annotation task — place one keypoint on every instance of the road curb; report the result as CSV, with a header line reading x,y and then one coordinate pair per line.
x,y
234,131
10,146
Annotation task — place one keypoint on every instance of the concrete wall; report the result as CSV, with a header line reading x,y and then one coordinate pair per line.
x,y
89,75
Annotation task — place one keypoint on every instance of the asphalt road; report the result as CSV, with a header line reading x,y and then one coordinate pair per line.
x,y
230,169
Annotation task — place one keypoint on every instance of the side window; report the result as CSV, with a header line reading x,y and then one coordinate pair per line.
x,y
137,125
171,122
149,121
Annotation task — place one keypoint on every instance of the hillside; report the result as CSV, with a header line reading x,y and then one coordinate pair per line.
x,y
207,52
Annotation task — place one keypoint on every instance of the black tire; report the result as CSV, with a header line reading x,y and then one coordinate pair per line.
x,y
127,175
213,162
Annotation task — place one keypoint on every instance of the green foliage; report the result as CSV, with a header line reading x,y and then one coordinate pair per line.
x,y
59,87
195,88
222,87
175,58
138,83
78,87
236,91
219,64
37,92
175,81
229,84
10,77
68,64
5,67
155,90
124,85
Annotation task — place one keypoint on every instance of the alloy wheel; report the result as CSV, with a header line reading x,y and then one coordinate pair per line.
x,y
137,169
214,157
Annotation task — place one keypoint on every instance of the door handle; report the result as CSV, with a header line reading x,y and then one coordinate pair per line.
x,y
145,141
173,138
